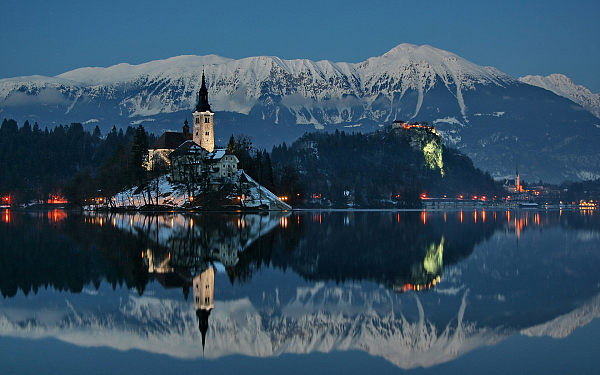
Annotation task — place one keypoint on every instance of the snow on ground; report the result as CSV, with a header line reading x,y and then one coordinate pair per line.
x,y
177,195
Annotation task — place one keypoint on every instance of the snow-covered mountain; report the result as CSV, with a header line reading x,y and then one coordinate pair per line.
x,y
563,86
495,119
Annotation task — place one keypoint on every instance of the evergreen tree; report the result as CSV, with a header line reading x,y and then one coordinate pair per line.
x,y
139,152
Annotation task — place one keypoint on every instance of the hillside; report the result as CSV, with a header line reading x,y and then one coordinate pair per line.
x,y
388,168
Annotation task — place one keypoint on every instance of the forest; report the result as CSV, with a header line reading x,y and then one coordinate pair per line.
x,y
39,165
337,169
379,169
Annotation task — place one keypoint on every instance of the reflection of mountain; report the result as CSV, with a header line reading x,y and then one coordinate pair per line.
x,y
316,319
564,325
521,272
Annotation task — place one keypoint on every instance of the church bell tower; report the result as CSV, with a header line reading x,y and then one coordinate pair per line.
x,y
204,126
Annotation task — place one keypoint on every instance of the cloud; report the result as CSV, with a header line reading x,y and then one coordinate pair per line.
x,y
46,97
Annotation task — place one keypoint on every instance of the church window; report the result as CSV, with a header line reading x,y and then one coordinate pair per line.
x,y
207,133
197,120
207,120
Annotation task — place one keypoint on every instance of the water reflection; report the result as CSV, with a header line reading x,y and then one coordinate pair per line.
x,y
416,288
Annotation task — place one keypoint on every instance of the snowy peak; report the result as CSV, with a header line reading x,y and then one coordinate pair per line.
x,y
565,87
444,63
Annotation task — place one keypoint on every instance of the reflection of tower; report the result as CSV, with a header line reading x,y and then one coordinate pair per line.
x,y
204,293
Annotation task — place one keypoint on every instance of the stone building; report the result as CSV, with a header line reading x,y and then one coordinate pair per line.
x,y
159,151
204,120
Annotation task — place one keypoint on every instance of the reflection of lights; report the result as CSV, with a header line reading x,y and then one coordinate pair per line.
x,y
461,216
483,216
7,216
283,222
417,287
475,215
191,223
241,223
424,217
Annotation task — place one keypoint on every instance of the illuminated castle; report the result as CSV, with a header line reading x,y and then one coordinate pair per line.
x,y
398,124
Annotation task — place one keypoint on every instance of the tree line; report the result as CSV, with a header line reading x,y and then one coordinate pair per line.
x,y
367,169
38,165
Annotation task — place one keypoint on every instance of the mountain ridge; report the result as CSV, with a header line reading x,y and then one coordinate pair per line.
x,y
482,111
565,87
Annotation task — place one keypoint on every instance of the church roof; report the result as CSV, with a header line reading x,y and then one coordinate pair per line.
x,y
218,153
170,141
188,147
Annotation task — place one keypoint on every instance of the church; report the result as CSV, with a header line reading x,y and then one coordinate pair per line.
x,y
192,156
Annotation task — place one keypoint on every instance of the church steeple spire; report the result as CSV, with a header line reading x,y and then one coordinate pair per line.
x,y
203,105
204,121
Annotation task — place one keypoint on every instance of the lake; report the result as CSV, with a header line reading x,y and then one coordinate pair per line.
x,y
320,292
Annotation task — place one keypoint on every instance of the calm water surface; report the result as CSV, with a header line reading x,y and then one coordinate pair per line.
x,y
311,292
